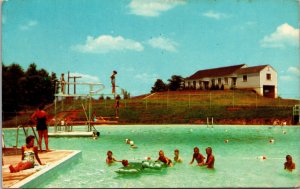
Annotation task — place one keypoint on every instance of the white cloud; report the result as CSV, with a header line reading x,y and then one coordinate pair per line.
x,y
163,43
294,70
214,15
84,77
30,24
286,78
146,78
107,43
285,35
154,7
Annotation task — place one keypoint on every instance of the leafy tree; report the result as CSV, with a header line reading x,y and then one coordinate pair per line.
x,y
175,83
30,88
11,93
159,86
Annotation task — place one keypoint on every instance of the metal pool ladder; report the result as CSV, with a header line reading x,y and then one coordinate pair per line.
x,y
25,129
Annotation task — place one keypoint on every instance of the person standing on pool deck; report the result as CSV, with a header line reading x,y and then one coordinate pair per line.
x,y
289,164
210,158
198,156
29,152
40,118
164,159
117,105
113,81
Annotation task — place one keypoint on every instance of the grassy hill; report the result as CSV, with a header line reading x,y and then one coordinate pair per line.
x,y
180,107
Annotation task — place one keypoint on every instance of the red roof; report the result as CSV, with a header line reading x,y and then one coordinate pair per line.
x,y
216,72
254,69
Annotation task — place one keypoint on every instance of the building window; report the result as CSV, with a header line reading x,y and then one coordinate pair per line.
x,y
226,80
213,82
219,81
244,78
269,76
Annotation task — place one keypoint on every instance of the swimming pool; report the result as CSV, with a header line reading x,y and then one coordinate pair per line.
x,y
236,162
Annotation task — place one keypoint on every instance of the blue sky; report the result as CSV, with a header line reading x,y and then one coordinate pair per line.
x,y
147,40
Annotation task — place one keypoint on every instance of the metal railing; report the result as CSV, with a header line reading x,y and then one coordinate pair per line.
x,y
25,132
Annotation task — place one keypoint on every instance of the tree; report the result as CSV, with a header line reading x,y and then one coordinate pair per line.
x,y
175,83
30,88
159,86
126,94
11,93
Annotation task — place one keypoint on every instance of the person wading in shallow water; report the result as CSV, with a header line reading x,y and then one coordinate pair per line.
x,y
198,157
40,118
210,158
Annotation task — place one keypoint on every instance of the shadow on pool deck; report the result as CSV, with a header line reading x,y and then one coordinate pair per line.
x,y
51,159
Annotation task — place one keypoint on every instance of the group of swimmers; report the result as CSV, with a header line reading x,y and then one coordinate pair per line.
x,y
210,159
30,152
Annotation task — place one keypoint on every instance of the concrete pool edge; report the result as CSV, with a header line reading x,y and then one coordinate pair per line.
x,y
35,179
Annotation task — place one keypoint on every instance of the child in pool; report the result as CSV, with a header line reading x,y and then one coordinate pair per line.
x,y
210,158
110,159
164,159
29,151
177,158
198,156
289,164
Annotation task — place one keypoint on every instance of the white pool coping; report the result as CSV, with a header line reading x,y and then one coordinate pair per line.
x,y
34,180
71,134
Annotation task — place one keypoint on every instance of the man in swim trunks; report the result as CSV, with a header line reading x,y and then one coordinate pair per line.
x,y
29,151
164,159
40,118
198,156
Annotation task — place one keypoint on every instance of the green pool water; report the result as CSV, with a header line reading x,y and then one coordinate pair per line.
x,y
236,162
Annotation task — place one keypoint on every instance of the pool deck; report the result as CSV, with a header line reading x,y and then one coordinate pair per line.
x,y
16,180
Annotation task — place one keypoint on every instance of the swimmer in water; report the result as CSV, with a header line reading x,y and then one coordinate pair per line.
x,y
210,158
177,158
110,159
198,156
289,164
164,159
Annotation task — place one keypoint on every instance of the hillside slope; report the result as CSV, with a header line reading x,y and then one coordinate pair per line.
x,y
182,107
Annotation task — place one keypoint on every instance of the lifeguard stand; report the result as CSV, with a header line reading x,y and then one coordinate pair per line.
x,y
86,93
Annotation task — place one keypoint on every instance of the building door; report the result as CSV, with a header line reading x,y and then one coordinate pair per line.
x,y
233,83
269,91
206,83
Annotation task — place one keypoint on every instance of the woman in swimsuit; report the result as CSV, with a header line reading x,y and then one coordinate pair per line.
x,y
29,151
40,118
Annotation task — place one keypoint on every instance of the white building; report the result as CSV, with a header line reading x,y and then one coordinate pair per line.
x,y
262,79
